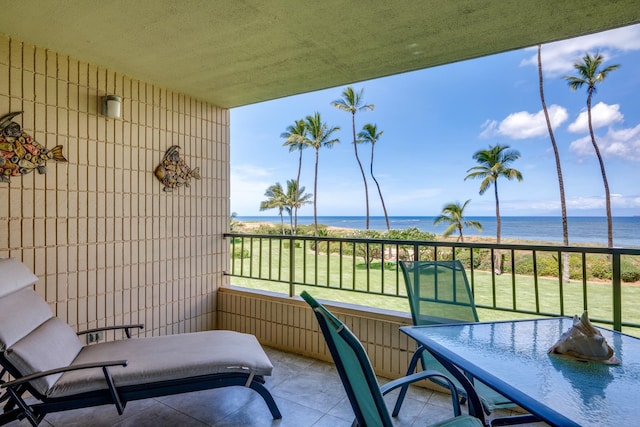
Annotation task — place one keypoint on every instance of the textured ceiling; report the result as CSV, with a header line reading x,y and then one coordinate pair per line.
x,y
238,52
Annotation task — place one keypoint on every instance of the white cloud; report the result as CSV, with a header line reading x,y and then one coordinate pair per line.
x,y
601,115
584,203
581,205
558,57
623,143
598,202
523,125
582,146
488,129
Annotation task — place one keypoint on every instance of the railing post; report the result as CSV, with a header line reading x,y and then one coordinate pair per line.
x,y
617,291
292,267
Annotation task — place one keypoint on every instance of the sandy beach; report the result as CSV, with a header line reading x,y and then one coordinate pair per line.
x,y
252,226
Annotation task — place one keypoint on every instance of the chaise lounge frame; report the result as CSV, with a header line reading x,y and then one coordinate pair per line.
x,y
94,377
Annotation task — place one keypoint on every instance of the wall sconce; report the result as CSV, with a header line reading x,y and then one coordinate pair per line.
x,y
111,106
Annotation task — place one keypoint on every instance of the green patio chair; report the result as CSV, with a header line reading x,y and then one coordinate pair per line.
x,y
439,293
359,380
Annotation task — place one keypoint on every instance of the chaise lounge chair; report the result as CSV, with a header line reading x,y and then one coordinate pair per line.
x,y
53,371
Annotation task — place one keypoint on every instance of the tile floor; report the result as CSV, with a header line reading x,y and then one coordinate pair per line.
x,y
307,391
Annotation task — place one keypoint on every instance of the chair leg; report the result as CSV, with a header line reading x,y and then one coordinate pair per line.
x,y
10,416
24,410
403,390
267,397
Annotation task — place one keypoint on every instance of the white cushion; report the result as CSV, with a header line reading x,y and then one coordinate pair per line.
x,y
52,345
14,275
168,357
20,313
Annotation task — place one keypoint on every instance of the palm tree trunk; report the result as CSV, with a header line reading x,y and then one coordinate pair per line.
x,y
384,208
604,177
282,222
364,178
563,202
495,190
291,224
498,255
315,197
295,208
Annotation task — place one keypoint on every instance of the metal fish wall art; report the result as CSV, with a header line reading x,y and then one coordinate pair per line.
x,y
173,172
20,154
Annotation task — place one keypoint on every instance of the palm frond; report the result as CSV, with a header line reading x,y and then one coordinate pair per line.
x,y
475,224
449,230
351,101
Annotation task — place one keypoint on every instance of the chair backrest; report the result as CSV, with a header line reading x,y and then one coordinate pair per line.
x,y
32,339
438,292
354,368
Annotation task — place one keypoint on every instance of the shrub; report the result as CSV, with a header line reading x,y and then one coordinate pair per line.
x,y
525,266
411,233
548,266
367,251
287,244
241,253
304,230
464,255
481,259
366,234
600,269
630,276
267,229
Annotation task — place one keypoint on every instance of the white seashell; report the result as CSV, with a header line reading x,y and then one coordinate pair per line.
x,y
583,341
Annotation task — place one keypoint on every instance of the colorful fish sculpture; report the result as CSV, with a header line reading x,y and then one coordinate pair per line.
x,y
173,172
20,154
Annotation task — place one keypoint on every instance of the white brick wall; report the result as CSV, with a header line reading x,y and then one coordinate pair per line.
x,y
108,245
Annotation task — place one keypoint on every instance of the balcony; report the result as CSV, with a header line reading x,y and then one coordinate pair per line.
x,y
266,276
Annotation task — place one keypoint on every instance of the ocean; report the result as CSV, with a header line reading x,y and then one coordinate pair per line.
x,y
582,229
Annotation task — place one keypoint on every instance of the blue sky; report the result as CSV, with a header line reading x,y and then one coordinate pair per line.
x,y
435,119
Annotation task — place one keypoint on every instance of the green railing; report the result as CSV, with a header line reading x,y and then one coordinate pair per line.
x,y
528,282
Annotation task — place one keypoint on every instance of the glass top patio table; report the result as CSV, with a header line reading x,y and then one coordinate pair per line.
x,y
512,358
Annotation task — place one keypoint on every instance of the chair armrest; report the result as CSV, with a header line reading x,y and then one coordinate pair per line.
x,y
425,375
127,329
40,374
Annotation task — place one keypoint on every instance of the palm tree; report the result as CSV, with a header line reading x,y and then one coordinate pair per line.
x,y
319,136
590,74
453,214
563,202
296,141
494,163
352,102
295,199
370,134
276,199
